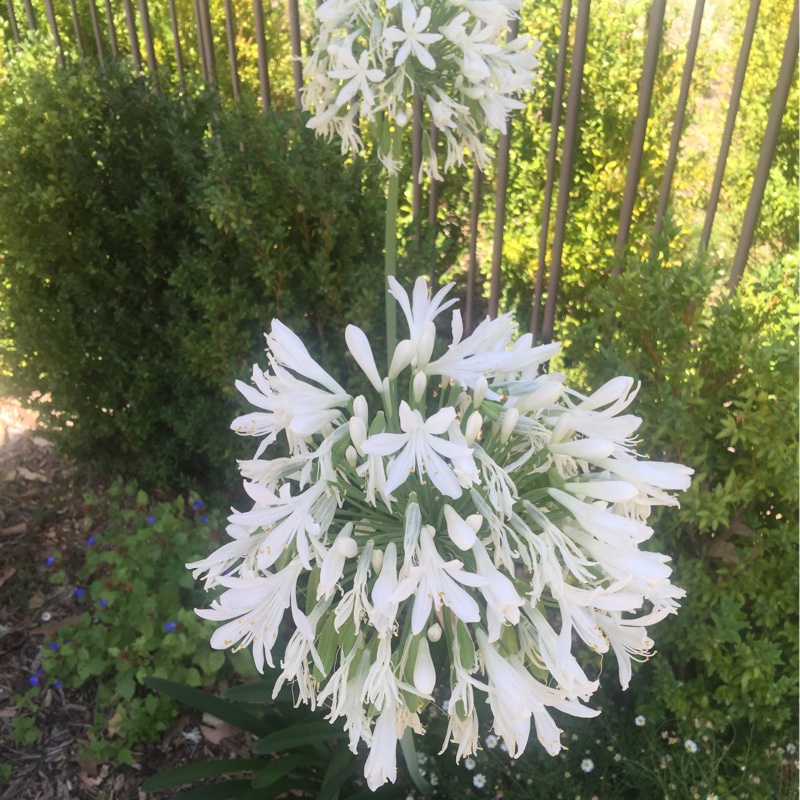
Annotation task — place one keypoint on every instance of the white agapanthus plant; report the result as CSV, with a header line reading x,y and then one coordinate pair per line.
x,y
464,528
373,57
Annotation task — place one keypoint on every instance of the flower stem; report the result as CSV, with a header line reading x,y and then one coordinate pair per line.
x,y
390,247
409,752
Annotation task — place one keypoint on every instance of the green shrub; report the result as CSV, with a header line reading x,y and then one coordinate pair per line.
x,y
144,251
719,393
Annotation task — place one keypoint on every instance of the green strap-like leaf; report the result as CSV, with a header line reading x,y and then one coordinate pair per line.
x,y
178,776
341,768
277,768
216,706
230,790
298,736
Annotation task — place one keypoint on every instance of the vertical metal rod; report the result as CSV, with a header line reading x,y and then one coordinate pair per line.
x,y
433,205
565,171
147,32
176,41
201,50
263,55
12,18
208,40
76,26
677,130
230,35
555,124
133,36
297,54
112,32
416,168
767,152
639,129
730,121
98,39
51,21
472,262
29,14
503,169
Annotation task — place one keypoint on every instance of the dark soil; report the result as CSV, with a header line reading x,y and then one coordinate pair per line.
x,y
41,510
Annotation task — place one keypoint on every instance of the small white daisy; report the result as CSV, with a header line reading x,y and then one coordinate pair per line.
x,y
422,758
491,741
587,765
445,706
479,781
434,779
690,746
640,721
791,748
503,747
469,763
712,797
617,756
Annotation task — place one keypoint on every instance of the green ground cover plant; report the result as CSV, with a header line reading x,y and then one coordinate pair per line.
x,y
133,616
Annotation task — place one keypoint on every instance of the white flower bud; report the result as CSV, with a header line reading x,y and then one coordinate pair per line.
x,y
351,455
479,392
419,386
424,671
361,409
458,529
401,117
347,546
510,420
474,521
358,433
425,345
377,559
403,355
474,425
434,632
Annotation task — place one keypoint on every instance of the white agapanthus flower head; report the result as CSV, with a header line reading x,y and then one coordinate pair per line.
x,y
376,61
457,535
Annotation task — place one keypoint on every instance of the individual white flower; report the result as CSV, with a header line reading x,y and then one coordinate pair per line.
x,y
381,765
413,36
587,765
690,746
434,583
422,450
640,721
491,741
470,763
479,780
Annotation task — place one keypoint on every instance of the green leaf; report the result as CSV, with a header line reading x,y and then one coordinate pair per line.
x,y
203,701
278,768
220,791
342,766
298,736
178,776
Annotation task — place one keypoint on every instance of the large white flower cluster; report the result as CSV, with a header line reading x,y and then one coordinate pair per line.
x,y
373,56
464,528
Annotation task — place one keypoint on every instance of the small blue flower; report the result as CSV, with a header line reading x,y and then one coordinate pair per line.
x,y
91,541
54,646
40,671
50,561
204,519
102,602
151,520
198,504
57,684
170,626
79,591
33,680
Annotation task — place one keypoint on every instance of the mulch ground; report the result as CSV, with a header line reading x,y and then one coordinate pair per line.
x,y
41,510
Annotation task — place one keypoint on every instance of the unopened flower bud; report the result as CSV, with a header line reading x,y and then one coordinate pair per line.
x,y
361,409
403,355
419,386
479,392
347,546
425,345
434,632
358,433
424,671
401,117
458,529
474,521
351,455
377,559
474,425
510,420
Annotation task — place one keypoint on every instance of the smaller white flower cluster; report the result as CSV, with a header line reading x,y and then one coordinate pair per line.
x,y
373,57
469,533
